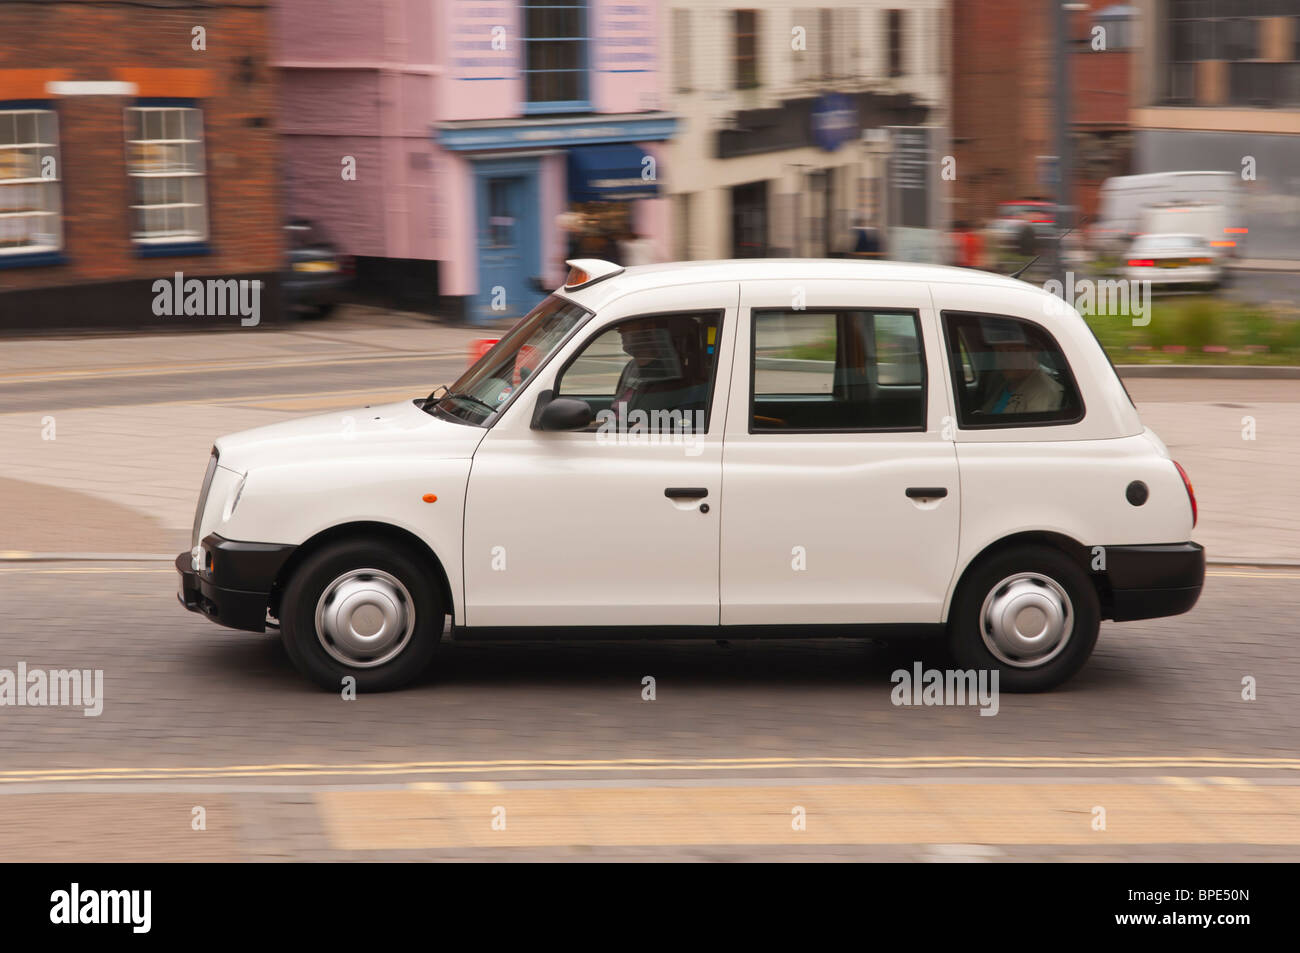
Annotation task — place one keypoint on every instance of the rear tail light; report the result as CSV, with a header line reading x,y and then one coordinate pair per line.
x,y
1141,263
1191,494
1223,244
1202,261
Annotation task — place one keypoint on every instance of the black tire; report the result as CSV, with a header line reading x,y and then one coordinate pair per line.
x,y
321,311
307,649
967,638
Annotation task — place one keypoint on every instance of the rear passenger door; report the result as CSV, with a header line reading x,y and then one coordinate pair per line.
x,y
841,501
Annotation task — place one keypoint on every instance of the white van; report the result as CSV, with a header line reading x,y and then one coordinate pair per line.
x,y
1125,199
718,449
1206,220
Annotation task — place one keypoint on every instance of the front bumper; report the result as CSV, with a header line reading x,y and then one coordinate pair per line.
x,y
1147,582
309,290
234,589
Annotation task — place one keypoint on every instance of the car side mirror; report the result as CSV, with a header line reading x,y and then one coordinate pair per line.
x,y
561,413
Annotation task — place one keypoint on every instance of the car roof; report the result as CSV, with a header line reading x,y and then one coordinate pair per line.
x,y
644,277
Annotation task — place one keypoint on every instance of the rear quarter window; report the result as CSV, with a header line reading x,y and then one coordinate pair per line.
x,y
1008,372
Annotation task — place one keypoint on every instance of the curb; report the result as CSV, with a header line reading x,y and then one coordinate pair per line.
x,y
1255,563
1278,266
1277,372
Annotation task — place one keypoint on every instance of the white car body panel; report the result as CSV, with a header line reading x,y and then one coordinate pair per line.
x,y
1070,489
583,527
557,529
833,504
373,464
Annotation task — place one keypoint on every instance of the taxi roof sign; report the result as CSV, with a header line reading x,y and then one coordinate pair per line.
x,y
588,271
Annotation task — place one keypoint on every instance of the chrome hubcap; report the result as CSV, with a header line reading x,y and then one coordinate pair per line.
x,y
1026,620
364,618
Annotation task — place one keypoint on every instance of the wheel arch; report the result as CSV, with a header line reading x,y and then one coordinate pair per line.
x,y
1080,554
368,530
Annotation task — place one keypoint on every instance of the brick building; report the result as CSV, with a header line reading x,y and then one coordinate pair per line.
x,y
1003,99
135,142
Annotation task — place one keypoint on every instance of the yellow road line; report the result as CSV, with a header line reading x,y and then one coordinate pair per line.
x,y
392,769
92,570
324,401
158,370
905,813
415,390
1254,575
291,395
1242,783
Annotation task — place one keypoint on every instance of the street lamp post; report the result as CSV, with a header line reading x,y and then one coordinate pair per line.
x,y
1062,46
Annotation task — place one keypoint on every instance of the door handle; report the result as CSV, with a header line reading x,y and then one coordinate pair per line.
x,y
924,492
685,492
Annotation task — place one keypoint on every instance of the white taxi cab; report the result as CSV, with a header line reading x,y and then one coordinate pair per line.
x,y
718,449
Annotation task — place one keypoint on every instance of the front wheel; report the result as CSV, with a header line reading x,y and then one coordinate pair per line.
x,y
364,610
1029,613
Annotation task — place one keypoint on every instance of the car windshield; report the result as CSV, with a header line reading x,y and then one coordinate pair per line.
x,y
489,382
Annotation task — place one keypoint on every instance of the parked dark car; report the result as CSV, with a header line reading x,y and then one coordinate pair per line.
x,y
315,273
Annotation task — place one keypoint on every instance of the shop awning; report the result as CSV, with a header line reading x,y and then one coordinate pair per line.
x,y
610,173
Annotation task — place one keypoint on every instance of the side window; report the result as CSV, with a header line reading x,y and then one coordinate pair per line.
x,y
967,369
898,350
1008,373
794,353
837,370
652,373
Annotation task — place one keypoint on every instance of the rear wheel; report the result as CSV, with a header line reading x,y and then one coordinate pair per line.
x,y
318,312
1030,613
361,609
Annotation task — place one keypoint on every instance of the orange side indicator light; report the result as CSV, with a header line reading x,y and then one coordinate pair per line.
x,y
430,498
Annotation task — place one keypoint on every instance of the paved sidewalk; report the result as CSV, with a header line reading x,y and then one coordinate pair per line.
x,y
144,463
358,332
1246,489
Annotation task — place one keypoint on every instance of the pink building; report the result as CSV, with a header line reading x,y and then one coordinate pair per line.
x,y
461,149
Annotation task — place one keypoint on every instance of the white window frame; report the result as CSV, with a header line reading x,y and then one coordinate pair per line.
x,y
186,163
46,189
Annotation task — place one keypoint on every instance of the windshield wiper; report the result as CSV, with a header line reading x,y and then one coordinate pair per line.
x,y
471,398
